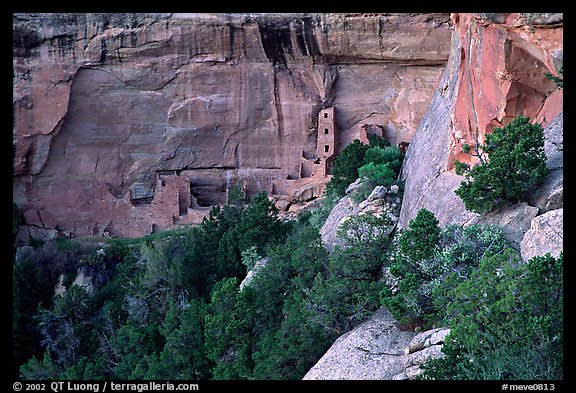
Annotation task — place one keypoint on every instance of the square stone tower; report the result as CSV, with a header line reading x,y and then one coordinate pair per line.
x,y
326,141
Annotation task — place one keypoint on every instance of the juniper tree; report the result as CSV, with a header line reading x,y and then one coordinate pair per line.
x,y
512,162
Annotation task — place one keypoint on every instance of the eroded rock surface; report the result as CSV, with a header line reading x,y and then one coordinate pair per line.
x,y
382,202
105,103
373,350
546,235
496,71
422,348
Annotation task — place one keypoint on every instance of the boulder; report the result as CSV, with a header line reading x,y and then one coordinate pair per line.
x,y
427,338
84,281
420,357
550,195
554,142
343,209
514,220
379,192
372,350
546,235
353,186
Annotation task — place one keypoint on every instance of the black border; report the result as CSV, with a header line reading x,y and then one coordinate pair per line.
x,y
338,7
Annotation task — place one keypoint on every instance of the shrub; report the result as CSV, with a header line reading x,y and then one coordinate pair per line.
x,y
425,260
319,214
346,167
390,155
377,174
353,157
348,293
420,239
260,225
512,162
506,320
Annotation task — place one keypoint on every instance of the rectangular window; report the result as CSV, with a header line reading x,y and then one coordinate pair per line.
x,y
326,148
325,115
325,130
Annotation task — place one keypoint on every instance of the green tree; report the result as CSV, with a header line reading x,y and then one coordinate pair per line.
x,y
291,268
249,257
506,320
390,155
65,327
421,239
228,330
291,350
511,163
377,174
260,225
346,166
133,349
426,256
378,152
347,293
184,354
407,294
288,342
34,369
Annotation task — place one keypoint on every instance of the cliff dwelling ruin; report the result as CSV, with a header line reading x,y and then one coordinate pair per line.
x,y
171,202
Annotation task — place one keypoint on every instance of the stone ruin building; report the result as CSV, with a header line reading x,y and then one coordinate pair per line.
x,y
169,201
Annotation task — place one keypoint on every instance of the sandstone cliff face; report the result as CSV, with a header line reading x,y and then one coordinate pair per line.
x,y
103,103
495,72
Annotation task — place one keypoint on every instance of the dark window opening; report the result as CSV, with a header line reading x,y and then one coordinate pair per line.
x,y
326,148
325,115
325,130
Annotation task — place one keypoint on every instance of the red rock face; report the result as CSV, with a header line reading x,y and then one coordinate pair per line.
x,y
496,71
504,59
105,103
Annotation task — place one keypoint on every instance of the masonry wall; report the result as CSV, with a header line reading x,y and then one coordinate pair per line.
x,y
172,205
327,141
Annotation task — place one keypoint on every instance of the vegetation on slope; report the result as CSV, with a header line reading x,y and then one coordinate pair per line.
x,y
512,162
171,307
378,163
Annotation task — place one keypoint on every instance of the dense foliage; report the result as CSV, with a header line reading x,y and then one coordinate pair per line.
x,y
425,255
172,307
506,320
505,314
378,162
512,162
